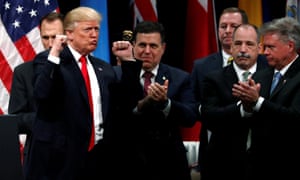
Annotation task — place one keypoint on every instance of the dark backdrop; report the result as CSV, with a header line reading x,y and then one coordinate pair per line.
x,y
171,14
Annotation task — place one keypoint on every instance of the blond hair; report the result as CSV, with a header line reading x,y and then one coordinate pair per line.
x,y
80,14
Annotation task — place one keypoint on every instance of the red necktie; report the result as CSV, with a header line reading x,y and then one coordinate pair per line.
x,y
147,80
88,87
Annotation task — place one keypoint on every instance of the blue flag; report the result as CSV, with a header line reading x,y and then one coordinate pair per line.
x,y
103,49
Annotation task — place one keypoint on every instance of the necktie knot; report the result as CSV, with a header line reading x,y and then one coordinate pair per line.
x,y
246,75
82,60
147,80
229,60
147,74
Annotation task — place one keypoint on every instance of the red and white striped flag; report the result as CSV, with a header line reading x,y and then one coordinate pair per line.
x,y
19,38
144,10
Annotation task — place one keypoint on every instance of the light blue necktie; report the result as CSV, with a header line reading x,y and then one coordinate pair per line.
x,y
275,81
245,76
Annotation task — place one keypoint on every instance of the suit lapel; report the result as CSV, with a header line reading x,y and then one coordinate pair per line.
x,y
230,76
291,72
162,74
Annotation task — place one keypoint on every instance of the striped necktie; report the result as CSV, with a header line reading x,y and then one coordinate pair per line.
x,y
229,60
147,80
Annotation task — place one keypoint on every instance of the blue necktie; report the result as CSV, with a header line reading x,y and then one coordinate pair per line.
x,y
275,81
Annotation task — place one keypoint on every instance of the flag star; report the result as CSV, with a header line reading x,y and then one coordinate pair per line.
x,y
16,24
7,5
33,13
46,2
19,9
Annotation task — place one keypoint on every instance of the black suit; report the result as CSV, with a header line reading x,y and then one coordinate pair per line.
x,y
154,148
22,102
200,69
225,155
62,129
276,134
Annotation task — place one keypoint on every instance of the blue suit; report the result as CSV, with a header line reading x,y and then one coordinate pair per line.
x,y
154,144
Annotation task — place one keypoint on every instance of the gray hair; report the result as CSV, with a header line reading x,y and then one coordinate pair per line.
x,y
287,29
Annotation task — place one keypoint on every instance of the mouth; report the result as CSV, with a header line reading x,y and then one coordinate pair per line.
x,y
94,43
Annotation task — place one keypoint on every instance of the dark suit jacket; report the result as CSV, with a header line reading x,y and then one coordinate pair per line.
x,y
202,67
154,145
62,128
22,102
225,156
275,131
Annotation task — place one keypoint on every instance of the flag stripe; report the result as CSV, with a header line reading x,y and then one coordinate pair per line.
x,y
147,9
144,10
25,48
4,98
6,72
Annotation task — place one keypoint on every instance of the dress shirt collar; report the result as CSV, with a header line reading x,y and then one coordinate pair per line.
x,y
283,70
77,55
225,58
240,71
154,71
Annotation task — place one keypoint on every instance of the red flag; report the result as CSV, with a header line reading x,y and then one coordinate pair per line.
x,y
20,38
200,41
144,10
200,38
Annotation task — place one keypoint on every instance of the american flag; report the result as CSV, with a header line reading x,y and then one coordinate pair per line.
x,y
144,10
19,38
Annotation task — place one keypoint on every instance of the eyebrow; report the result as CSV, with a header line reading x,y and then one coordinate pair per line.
x,y
48,37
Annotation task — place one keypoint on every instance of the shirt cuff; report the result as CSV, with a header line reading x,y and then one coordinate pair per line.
x,y
54,59
258,104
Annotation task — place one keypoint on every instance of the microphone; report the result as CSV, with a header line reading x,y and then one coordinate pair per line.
x,y
127,35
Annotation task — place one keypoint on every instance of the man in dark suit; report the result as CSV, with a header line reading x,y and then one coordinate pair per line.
x,y
230,18
226,154
275,114
21,100
154,147
68,114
